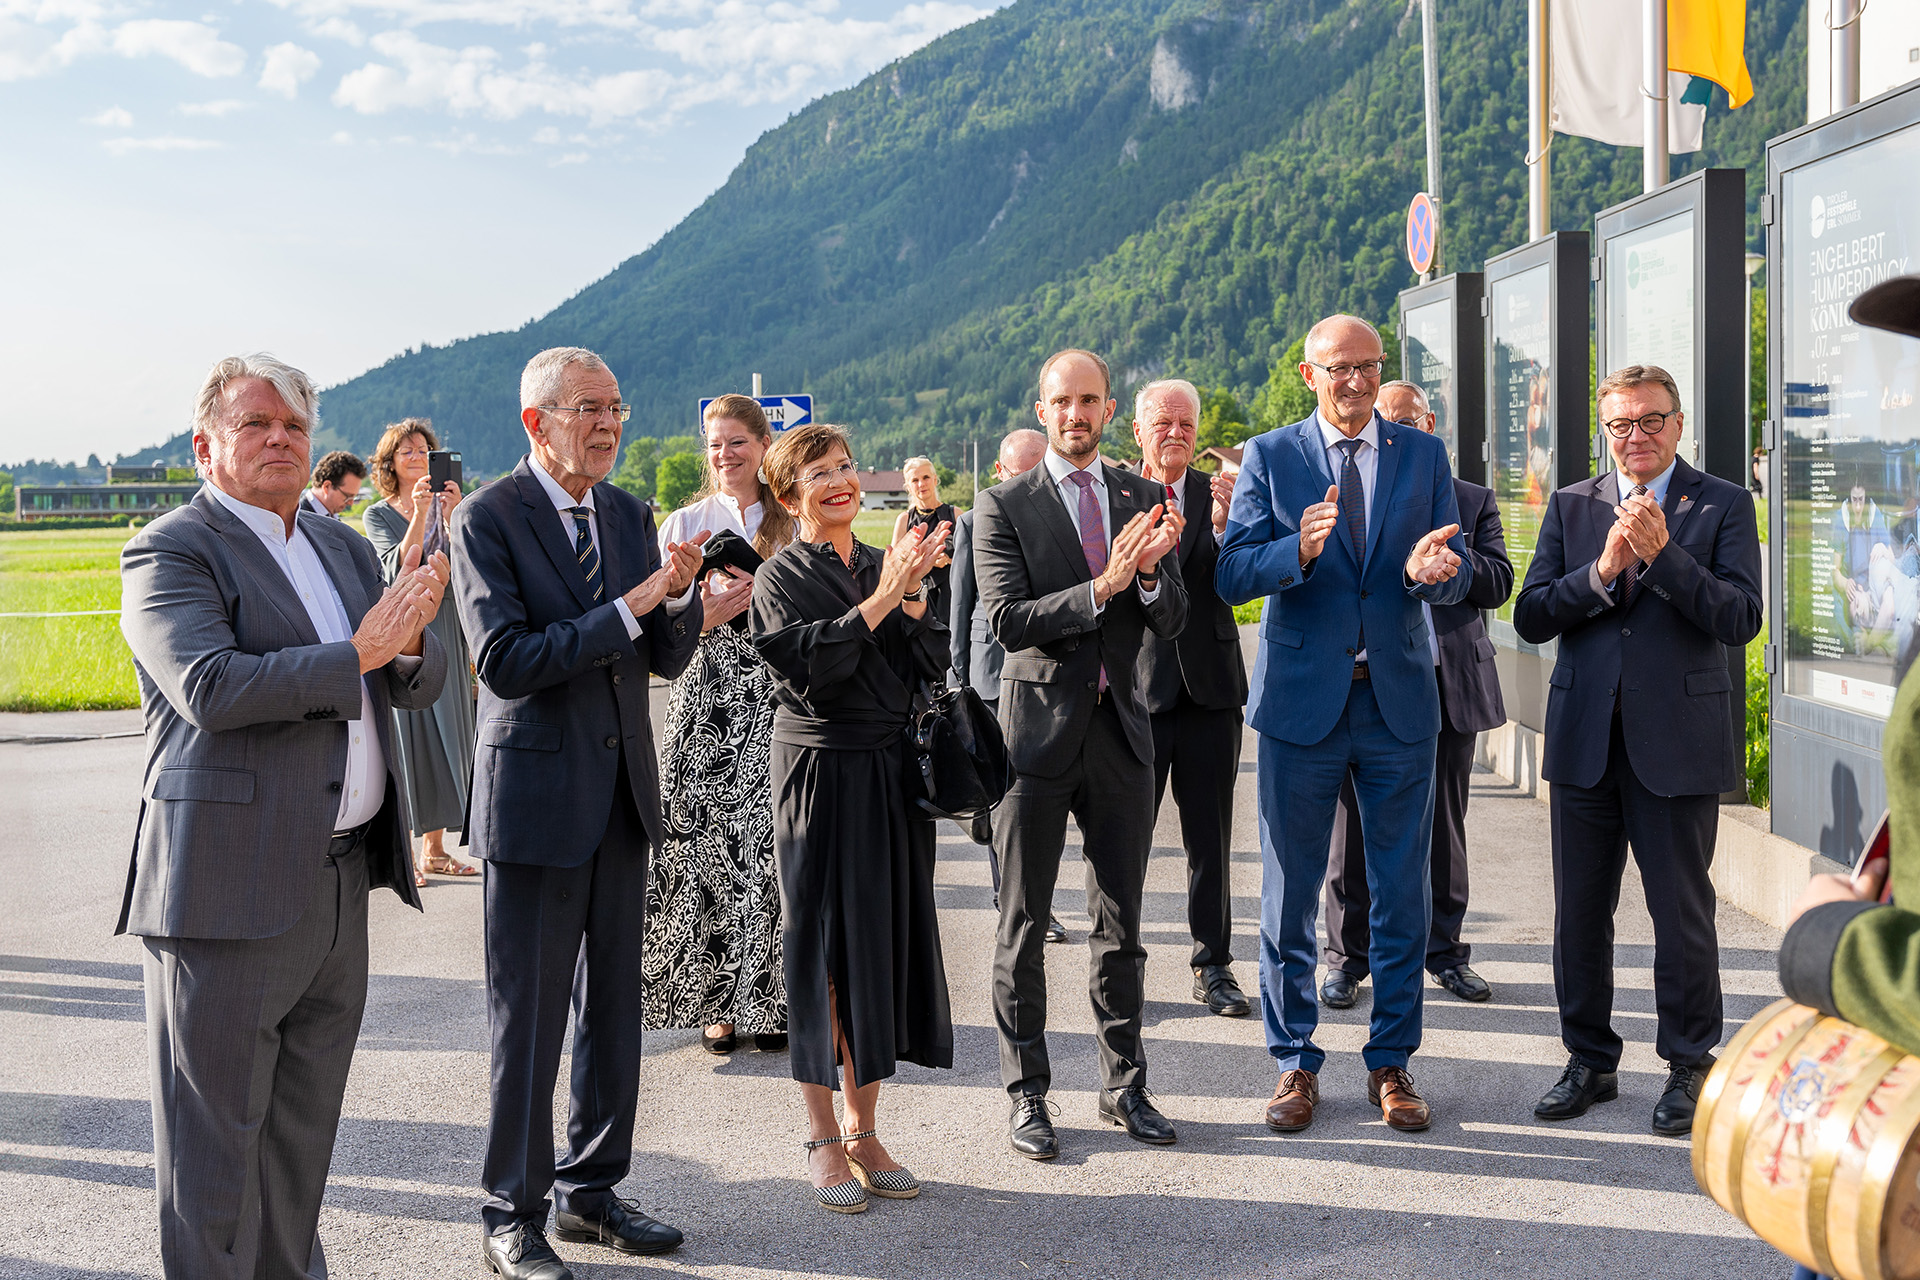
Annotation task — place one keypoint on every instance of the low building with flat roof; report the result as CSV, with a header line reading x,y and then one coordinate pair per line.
x,y
99,501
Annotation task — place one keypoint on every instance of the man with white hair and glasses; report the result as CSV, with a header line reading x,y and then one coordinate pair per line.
x,y
270,658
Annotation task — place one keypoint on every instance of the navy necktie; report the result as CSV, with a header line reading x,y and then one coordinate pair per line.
x,y
584,551
1353,512
1630,576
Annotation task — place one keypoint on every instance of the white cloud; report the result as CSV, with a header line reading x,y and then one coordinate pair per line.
x,y
222,107
287,67
121,146
471,81
112,118
194,45
572,157
340,29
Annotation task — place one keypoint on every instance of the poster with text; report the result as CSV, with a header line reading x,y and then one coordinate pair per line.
x,y
1650,301
1520,426
1431,357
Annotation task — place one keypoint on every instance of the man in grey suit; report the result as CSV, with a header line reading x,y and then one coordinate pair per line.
x,y
976,654
269,660
1072,563
567,609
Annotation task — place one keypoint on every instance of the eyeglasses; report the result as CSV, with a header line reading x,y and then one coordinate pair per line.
x,y
814,479
1413,422
1650,425
1367,369
620,411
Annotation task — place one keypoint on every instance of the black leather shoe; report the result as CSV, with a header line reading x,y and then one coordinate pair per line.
x,y
618,1224
1030,1129
1056,932
1673,1114
1339,989
1132,1110
771,1042
1580,1087
721,1045
1214,987
521,1252
1465,983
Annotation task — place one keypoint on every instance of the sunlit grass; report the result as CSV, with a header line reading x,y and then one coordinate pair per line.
x,y
63,664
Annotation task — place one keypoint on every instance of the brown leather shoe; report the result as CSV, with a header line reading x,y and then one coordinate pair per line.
x,y
1294,1099
1391,1089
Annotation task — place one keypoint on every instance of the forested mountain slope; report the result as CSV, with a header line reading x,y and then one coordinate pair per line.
x,y
1182,186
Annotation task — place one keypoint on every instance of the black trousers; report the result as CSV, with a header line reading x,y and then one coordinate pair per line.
x,y
1199,749
563,939
1347,899
1108,791
1672,841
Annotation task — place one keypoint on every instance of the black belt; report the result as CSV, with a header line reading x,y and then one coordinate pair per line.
x,y
345,842
1360,671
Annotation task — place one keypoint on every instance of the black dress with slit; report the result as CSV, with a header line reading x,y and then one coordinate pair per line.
x,y
855,863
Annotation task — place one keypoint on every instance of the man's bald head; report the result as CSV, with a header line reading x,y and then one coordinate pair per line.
x,y
1336,330
1342,364
1020,451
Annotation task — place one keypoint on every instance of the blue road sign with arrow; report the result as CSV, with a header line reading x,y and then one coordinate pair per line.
x,y
783,412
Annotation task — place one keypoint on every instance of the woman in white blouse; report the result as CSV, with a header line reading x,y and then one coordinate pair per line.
x,y
713,902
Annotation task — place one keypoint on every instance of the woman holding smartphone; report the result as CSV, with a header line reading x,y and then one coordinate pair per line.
x,y
436,745
712,952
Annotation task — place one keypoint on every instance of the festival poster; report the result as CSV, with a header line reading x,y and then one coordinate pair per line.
x,y
1650,309
1430,360
1521,419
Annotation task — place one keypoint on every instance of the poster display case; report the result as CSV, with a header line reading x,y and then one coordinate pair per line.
x,y
1440,349
1537,314
1844,528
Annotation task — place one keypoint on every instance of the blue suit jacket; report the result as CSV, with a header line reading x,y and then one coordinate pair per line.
x,y
1313,617
563,691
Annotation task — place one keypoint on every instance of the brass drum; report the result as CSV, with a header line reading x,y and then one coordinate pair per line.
x,y
1804,1131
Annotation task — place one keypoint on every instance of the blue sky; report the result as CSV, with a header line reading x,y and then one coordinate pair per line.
x,y
337,180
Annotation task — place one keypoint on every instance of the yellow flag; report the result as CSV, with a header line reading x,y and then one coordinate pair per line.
x,y
1707,38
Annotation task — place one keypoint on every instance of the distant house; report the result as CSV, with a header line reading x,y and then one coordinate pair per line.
x,y
136,474
883,491
99,501
1226,458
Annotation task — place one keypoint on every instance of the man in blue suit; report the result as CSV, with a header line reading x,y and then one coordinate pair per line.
x,y
1346,523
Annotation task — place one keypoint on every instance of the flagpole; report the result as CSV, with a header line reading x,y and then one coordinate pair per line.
x,y
1430,57
1843,43
1539,121
1654,166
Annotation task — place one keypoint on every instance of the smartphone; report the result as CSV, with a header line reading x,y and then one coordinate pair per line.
x,y
442,466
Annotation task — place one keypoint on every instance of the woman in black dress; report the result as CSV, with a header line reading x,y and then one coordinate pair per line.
x,y
926,512
848,634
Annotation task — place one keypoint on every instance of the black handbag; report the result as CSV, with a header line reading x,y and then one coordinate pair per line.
x,y
959,763
728,550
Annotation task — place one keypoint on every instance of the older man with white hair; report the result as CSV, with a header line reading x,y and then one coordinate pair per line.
x,y
1195,684
269,658
567,609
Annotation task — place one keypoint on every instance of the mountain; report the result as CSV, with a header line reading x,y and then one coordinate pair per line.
x,y
1183,186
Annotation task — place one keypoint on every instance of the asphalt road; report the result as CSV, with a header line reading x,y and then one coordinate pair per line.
x,y
1486,1192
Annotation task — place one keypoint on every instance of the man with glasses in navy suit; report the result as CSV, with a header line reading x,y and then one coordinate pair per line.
x,y
1347,523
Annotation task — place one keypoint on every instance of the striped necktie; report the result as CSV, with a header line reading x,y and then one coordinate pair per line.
x,y
1630,576
585,552
1093,536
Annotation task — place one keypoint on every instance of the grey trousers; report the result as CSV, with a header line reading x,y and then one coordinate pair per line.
x,y
250,1041
1109,790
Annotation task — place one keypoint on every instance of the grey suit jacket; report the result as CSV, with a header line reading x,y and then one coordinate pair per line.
x,y
976,654
1033,580
246,714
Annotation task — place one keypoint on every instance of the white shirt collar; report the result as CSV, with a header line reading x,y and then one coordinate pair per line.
x,y
1331,435
1059,468
267,524
562,500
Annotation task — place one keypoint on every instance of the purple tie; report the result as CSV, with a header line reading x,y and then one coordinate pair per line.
x,y
1630,576
1093,536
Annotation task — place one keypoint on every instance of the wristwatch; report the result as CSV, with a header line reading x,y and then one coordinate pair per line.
x,y
913,595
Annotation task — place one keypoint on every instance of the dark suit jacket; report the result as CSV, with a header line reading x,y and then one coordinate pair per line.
x,y
1205,657
1469,685
1662,654
246,713
1033,579
563,691
976,654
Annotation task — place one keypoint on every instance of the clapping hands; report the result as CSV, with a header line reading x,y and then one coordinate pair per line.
x,y
1137,549
1432,560
393,626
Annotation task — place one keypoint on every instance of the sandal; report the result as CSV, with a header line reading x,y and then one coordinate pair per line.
x,y
888,1184
419,878
445,864
842,1197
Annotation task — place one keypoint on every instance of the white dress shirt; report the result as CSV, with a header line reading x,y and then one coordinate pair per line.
x,y
563,505
1174,495
1366,460
713,513
365,786
318,507
1059,468
1623,485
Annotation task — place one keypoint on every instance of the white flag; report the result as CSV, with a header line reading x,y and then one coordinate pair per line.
x,y
1597,78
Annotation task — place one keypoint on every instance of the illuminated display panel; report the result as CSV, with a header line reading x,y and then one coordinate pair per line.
x,y
1650,310
1432,360
1850,470
1520,419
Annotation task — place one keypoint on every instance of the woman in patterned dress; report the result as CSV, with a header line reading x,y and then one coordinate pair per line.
x,y
713,902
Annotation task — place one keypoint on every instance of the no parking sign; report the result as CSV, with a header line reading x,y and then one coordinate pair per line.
x,y
1423,227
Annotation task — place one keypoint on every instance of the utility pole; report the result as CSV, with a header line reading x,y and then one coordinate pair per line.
x,y
1654,166
1539,120
1430,58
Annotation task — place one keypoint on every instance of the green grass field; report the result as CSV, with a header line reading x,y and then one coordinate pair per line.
x,y
63,664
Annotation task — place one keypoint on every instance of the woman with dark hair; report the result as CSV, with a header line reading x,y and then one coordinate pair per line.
x,y
436,745
848,633
712,955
